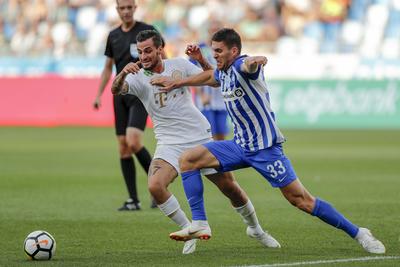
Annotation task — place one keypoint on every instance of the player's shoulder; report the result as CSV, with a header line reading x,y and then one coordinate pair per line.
x,y
139,76
140,79
239,61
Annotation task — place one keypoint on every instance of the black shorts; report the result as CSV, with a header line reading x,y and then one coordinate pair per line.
x,y
128,112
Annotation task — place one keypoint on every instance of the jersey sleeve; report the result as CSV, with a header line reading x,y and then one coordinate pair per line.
x,y
216,76
108,52
194,62
133,82
238,66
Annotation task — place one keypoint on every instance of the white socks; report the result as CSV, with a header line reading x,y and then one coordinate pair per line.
x,y
172,209
248,214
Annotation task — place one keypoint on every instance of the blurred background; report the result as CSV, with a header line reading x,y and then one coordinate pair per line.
x,y
328,59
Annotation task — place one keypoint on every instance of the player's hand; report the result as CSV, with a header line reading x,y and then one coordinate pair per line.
x,y
194,52
97,103
165,83
132,68
258,60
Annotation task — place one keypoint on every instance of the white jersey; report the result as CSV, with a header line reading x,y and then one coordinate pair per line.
x,y
176,119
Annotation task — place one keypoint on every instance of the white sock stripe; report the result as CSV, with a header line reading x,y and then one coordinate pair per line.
x,y
246,209
307,263
169,206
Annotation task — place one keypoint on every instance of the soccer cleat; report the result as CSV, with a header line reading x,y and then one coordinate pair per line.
x,y
190,233
264,238
189,246
369,242
130,205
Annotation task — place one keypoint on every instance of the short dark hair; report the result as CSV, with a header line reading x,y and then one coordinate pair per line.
x,y
153,34
229,37
134,2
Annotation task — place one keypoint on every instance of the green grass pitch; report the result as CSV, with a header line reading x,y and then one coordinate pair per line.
x,y
67,181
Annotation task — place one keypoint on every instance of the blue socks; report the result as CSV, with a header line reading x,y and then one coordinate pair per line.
x,y
330,215
193,186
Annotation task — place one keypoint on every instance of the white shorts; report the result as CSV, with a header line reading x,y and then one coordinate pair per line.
x,y
171,154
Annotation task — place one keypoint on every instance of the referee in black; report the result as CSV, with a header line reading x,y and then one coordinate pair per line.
x,y
129,112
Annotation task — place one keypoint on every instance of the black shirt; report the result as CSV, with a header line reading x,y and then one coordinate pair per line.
x,y
121,46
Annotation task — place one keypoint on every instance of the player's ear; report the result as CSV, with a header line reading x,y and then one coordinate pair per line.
x,y
160,50
235,50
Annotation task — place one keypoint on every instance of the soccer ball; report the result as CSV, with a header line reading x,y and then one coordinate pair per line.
x,y
40,245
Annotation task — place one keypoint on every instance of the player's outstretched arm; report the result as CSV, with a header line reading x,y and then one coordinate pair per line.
x,y
251,64
119,85
168,83
194,52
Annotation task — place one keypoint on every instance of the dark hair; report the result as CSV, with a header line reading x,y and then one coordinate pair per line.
x,y
134,2
229,37
147,34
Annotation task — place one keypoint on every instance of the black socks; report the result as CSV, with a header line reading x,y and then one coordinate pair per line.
x,y
129,173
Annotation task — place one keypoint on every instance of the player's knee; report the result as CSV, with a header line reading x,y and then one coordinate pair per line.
x,y
124,150
156,189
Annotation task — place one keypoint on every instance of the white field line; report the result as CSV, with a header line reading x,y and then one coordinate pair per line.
x,y
377,258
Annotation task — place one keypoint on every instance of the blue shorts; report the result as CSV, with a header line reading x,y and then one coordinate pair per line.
x,y
271,162
217,120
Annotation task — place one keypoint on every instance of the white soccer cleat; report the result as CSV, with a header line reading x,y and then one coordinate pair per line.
x,y
369,242
264,238
189,247
190,233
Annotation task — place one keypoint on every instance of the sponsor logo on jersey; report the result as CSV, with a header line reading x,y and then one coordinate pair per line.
x,y
177,74
148,73
233,95
160,99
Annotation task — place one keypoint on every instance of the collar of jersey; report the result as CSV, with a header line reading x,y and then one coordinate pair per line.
x,y
236,59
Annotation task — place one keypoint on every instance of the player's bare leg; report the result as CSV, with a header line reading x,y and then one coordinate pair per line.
x,y
219,137
197,158
161,174
299,197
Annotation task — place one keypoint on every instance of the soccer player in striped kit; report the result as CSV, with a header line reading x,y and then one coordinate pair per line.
x,y
257,139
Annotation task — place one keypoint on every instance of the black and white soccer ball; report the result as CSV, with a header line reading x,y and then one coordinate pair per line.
x,y
40,245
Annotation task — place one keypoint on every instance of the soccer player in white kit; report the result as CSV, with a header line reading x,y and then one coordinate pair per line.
x,y
178,126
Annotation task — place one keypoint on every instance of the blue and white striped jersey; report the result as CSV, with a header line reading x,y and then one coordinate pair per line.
x,y
247,101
